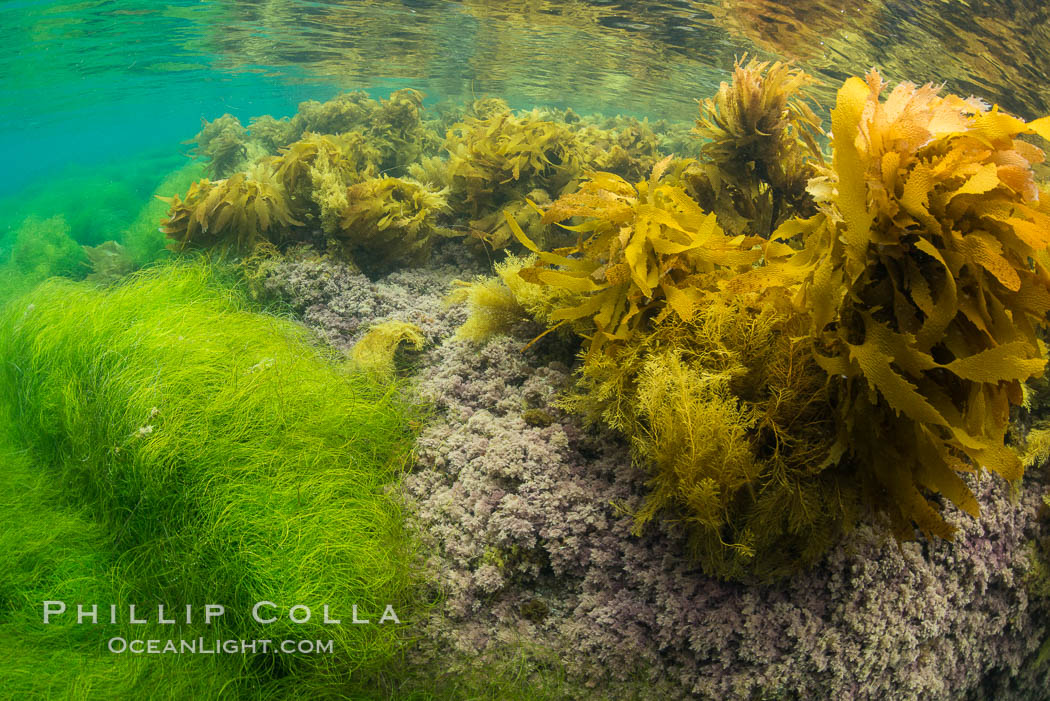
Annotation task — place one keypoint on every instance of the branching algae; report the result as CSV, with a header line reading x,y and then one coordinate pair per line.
x,y
901,322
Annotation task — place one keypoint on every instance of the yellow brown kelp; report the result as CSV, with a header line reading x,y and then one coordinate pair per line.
x,y
304,187
272,134
719,393
1030,423
224,142
625,146
432,171
760,146
398,128
316,170
925,275
730,416
394,126
350,110
323,185
500,158
386,222
232,215
497,303
644,251
527,213
886,343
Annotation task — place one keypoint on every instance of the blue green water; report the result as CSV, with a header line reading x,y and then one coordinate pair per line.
x,y
99,82
94,84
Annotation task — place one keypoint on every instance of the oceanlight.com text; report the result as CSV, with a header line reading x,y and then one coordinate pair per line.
x,y
204,646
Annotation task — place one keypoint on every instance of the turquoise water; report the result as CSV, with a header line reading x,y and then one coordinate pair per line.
x,y
93,83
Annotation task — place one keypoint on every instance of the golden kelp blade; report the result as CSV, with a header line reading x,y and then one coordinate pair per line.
x,y
928,307
655,234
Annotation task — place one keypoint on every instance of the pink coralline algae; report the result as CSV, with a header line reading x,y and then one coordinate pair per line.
x,y
529,528
526,518
342,304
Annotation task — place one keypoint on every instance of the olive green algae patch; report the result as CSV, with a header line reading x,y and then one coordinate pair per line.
x,y
218,457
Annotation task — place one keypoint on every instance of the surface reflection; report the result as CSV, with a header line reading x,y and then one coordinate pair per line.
x,y
654,58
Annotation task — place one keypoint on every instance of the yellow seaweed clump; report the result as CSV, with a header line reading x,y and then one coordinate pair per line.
x,y
232,215
393,126
622,145
729,415
316,170
496,303
345,112
500,158
760,143
386,222
224,142
272,134
527,213
324,186
398,129
644,252
926,275
375,351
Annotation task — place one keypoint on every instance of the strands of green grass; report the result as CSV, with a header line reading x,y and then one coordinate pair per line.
x,y
51,552
223,459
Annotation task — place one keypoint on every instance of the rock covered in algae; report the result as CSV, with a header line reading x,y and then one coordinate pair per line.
x,y
529,531
529,522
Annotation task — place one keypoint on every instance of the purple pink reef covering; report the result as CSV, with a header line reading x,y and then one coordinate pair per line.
x,y
527,516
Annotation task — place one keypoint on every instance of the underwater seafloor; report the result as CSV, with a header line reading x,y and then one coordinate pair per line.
x,y
750,407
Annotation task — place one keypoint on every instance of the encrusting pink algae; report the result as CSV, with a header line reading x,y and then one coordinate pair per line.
x,y
526,515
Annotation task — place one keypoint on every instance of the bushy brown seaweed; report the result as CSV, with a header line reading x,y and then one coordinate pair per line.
x,y
644,251
906,309
625,146
730,416
388,222
926,276
316,170
223,142
232,215
393,127
501,157
760,148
